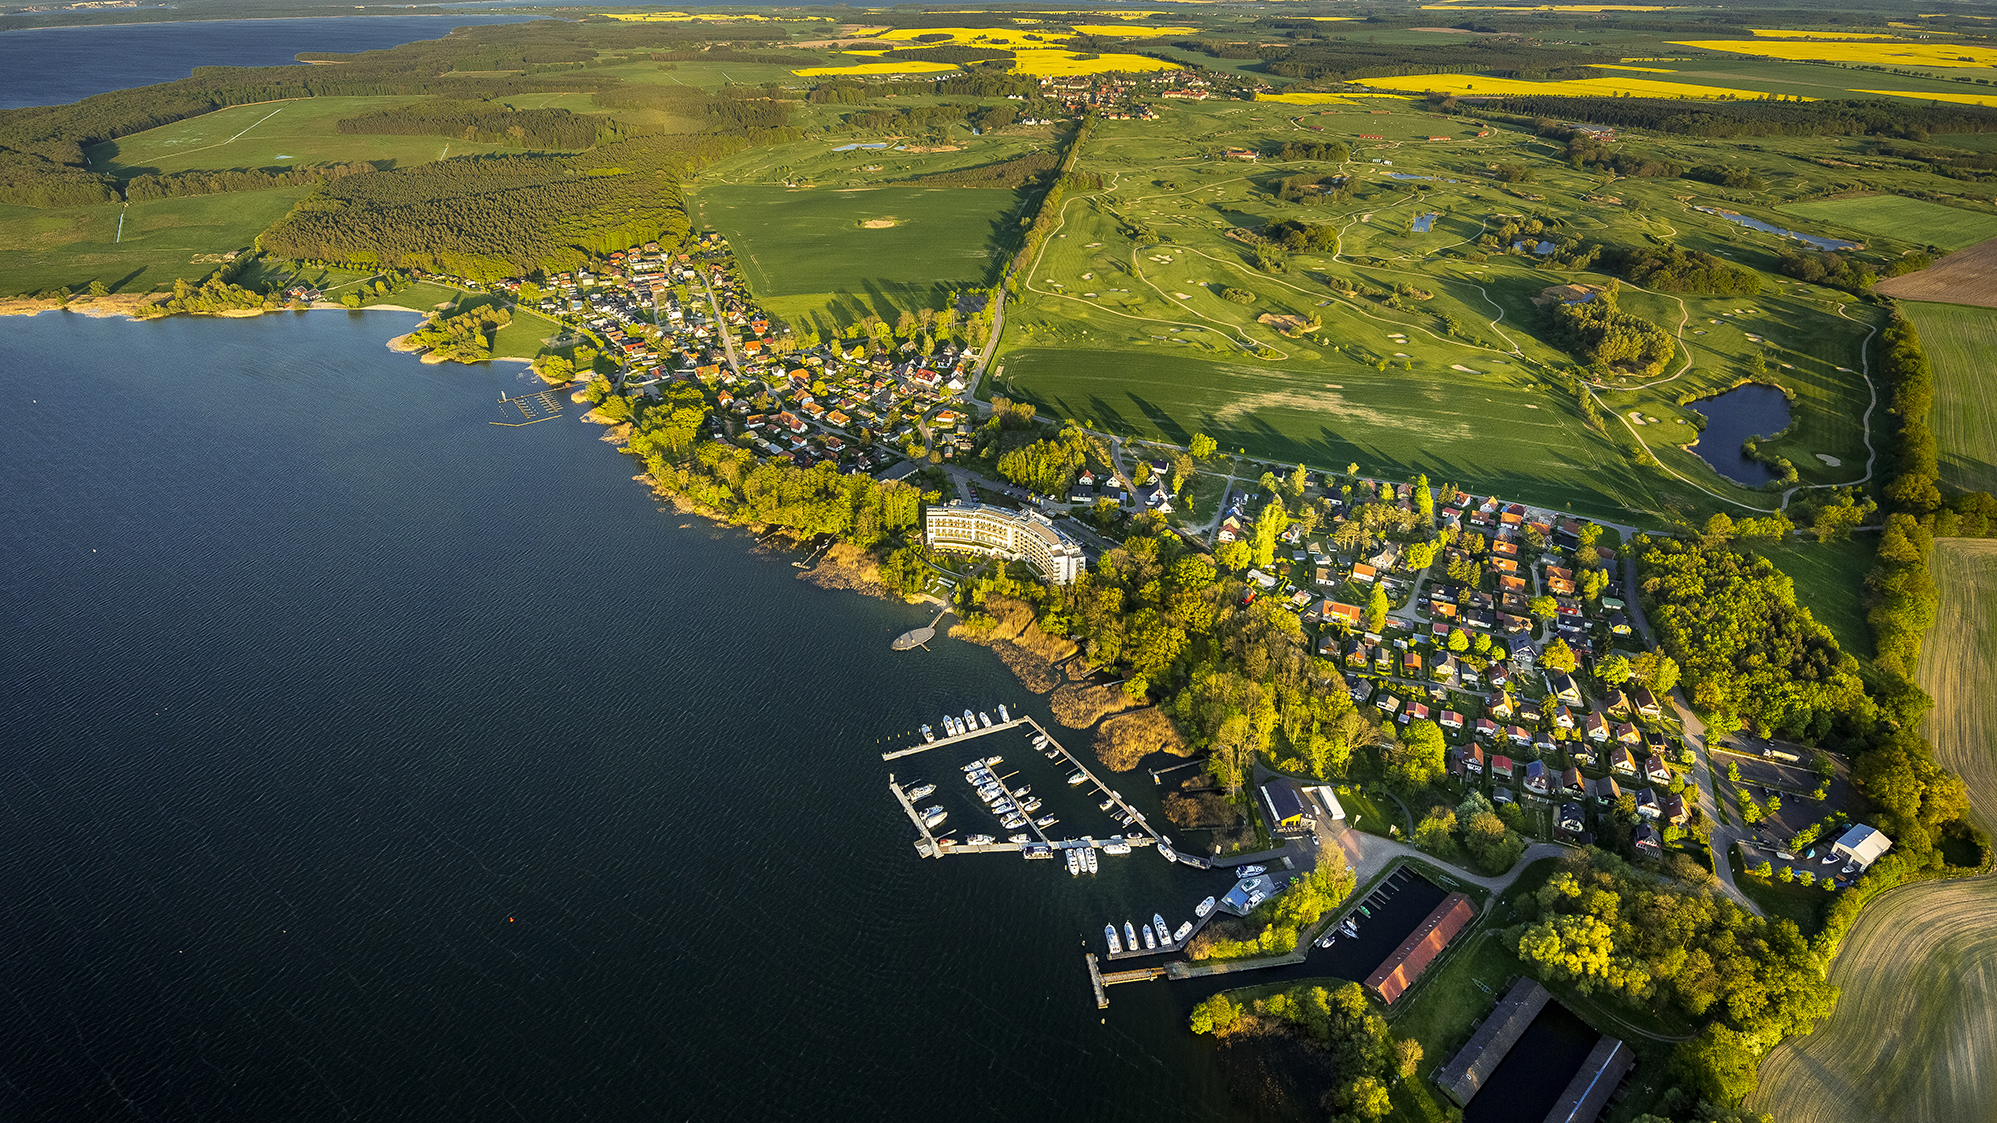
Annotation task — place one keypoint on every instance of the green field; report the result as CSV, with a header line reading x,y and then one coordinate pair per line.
x,y
1959,341
1830,582
74,246
1909,220
1912,1034
1127,320
274,135
807,254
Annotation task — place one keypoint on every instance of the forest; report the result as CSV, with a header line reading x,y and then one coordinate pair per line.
x,y
1607,338
481,121
1752,118
1345,60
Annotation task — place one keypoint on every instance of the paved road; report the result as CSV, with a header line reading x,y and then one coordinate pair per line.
x,y
727,336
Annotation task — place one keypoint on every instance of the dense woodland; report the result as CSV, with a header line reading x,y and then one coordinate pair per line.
x,y
484,122
1607,338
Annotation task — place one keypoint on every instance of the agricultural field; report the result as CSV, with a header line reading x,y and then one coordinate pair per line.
x,y
1911,1038
824,257
1959,341
272,135
1830,582
162,240
1147,308
1909,220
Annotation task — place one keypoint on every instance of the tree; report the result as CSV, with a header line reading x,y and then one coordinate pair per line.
x,y
1217,1014
1407,1057
1655,670
1202,446
1233,556
1613,671
1417,758
1459,641
1270,523
1437,832
1376,609
1367,1098
1543,608
1559,657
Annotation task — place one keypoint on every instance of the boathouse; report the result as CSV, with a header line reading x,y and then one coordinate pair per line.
x,y
1399,970
1473,1064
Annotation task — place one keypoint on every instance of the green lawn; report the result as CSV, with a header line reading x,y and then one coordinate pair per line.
x,y
1959,341
1910,220
74,246
807,254
1830,582
274,135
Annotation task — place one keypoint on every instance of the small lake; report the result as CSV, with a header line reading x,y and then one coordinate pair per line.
x,y
1426,222
1753,410
1811,240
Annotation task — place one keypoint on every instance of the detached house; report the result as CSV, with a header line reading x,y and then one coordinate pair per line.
x,y
1621,761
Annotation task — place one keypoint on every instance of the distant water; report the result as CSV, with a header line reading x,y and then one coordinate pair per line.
x,y
364,760
57,65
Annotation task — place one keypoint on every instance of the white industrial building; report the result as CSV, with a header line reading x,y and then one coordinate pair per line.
x,y
1028,536
1862,844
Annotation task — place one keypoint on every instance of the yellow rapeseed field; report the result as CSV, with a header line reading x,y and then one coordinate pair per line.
x,y
1955,99
875,68
1775,33
1127,32
1064,64
1869,54
1579,87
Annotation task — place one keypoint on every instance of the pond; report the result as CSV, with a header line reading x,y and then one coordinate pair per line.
x,y
1811,240
1751,410
1426,222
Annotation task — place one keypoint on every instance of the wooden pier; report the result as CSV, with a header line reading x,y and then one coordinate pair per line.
x,y
926,845
1100,980
942,741
1137,817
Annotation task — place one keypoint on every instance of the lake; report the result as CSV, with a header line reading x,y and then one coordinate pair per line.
x,y
56,65
369,760
1747,411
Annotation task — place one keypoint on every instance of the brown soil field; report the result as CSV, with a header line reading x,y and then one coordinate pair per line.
x,y
1963,277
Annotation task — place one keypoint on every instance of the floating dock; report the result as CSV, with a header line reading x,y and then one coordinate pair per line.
x,y
1100,980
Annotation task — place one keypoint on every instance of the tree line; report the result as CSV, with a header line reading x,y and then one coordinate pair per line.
x,y
484,122
1752,117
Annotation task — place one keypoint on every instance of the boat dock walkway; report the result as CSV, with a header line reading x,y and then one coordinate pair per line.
x,y
1164,948
926,845
1100,980
942,741
1137,817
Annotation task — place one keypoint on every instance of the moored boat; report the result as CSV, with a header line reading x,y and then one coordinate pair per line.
x,y
1016,838
1130,934
1003,716
928,735
1158,924
1074,862
1045,821
933,815
1089,858
1105,805
921,790
1115,944
1204,908
1116,846
984,721
1078,777
1185,930
1250,871
970,720
1150,941
990,760
981,840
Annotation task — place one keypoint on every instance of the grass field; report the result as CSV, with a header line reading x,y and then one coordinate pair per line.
x,y
77,245
1830,582
1912,1038
1910,220
273,135
808,255
1959,341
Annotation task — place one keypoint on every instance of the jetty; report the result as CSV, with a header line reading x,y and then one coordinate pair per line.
x,y
1100,980
917,637
927,845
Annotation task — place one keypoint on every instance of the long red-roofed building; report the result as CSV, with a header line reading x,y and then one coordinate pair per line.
x,y
1400,970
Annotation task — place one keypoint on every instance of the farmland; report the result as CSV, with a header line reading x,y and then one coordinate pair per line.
x,y
162,240
274,135
1909,220
809,254
1911,1038
1959,341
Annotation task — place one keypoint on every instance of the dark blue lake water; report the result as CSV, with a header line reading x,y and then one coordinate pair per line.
x,y
365,760
56,65
1752,410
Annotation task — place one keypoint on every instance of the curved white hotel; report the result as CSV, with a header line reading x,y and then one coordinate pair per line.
x,y
977,528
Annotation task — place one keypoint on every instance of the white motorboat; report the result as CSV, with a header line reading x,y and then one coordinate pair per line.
x,y
981,840
1030,805
1023,789
948,730
921,790
928,735
933,815
1003,716
990,760
1165,848
1150,941
970,720
1014,822
1074,862
1328,939
1250,871
1158,925
1016,838
1045,821
1003,807
1204,908
1115,944
974,766
1116,846
1089,858
1185,930
1105,805
984,721
1040,740
1078,777
1130,935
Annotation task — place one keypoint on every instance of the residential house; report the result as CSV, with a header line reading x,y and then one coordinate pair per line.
x,y
1484,728
1674,808
1595,727
1619,704
1542,741
1473,759
1573,783
1645,702
1450,720
1503,706
1501,767
1571,822
1648,842
1646,803
1583,753
1346,615
1416,711
1620,761
1538,778
1626,734
1607,791
1561,685
1563,718
1518,735
1364,574
1388,703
